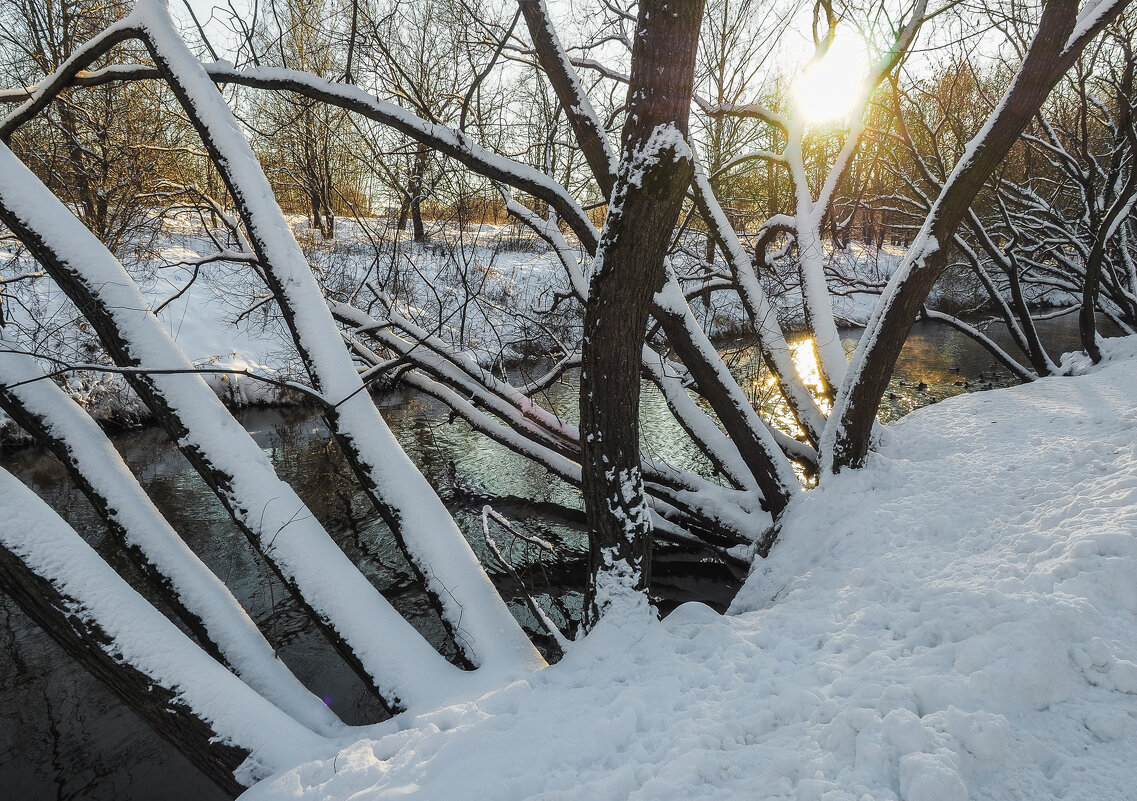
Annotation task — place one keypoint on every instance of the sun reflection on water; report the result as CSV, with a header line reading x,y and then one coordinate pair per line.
x,y
763,386
804,356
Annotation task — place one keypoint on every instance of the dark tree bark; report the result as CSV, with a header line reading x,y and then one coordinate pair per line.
x,y
737,419
655,170
412,201
731,406
1121,205
1087,314
34,423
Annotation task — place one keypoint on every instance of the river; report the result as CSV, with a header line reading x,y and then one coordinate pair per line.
x,y
62,736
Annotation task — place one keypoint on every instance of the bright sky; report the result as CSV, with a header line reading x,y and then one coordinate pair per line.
x,y
219,35
824,93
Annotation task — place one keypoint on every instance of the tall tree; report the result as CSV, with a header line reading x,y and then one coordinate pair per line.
x,y
651,180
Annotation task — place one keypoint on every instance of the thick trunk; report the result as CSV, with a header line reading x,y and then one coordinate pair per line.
x,y
417,227
317,213
183,694
1087,313
654,173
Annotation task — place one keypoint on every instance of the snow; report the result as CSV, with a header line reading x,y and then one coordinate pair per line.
x,y
140,636
952,622
1090,17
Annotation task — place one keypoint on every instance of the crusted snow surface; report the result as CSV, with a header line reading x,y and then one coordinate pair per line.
x,y
953,622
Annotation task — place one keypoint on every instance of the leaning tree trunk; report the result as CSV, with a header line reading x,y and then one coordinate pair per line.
x,y
655,170
228,731
1087,322
1057,43
87,643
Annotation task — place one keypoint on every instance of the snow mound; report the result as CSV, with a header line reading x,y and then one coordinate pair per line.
x,y
1112,349
953,622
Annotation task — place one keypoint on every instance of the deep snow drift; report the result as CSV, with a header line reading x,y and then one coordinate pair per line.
x,y
955,621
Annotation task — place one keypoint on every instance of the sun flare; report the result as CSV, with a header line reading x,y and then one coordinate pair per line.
x,y
827,90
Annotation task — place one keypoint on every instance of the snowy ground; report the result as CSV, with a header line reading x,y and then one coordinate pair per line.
x,y
954,622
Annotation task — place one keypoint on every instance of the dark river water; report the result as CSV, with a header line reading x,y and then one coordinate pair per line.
x,y
62,736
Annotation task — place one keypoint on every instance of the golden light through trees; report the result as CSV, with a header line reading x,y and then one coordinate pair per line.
x,y
828,89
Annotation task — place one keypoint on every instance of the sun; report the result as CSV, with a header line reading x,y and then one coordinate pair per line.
x,y
827,90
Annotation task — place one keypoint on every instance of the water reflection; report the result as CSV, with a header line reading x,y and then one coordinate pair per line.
x,y
936,363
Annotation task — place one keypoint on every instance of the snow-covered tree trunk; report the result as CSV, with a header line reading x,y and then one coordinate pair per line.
x,y
201,600
232,734
654,172
1061,35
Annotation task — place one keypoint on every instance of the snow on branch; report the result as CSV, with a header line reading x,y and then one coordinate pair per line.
x,y
66,586
445,140
43,93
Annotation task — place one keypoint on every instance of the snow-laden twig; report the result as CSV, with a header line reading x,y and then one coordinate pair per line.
x,y
1004,358
547,623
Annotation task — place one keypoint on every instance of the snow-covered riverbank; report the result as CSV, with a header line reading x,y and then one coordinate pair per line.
x,y
478,288
494,292
955,621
